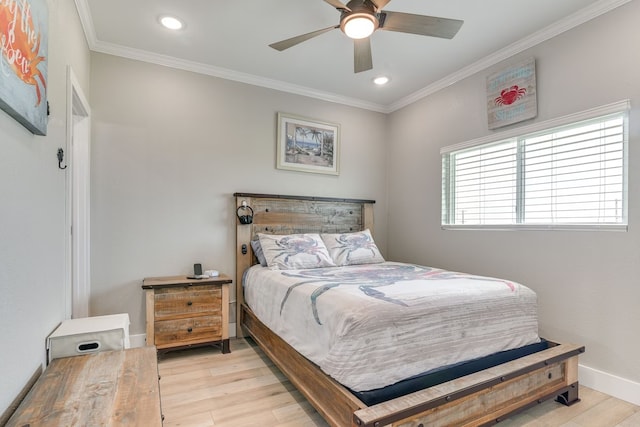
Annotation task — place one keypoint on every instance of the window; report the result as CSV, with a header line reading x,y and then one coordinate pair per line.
x,y
568,173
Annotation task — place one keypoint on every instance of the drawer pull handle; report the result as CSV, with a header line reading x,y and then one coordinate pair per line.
x,y
189,330
189,303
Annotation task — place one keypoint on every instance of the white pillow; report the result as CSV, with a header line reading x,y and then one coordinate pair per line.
x,y
352,248
295,251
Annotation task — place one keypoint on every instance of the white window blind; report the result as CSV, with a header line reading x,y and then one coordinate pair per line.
x,y
569,176
485,183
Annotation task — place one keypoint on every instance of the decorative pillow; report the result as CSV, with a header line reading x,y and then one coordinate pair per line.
x,y
352,248
257,251
295,251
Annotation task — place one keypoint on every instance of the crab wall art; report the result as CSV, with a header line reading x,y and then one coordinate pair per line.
x,y
23,62
511,94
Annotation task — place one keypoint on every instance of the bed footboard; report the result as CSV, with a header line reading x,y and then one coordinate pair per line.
x,y
486,397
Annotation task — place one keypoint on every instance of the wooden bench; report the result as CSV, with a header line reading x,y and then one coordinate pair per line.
x,y
107,388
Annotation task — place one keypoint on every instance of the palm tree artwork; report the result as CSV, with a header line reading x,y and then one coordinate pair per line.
x,y
309,145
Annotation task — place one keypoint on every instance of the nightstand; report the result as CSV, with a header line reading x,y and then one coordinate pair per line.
x,y
184,312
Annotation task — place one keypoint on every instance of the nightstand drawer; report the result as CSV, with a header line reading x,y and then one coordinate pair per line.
x,y
180,303
188,331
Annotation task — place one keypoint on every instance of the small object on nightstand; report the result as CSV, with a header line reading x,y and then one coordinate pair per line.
x,y
184,312
197,269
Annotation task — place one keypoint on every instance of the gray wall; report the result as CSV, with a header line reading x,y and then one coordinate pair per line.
x,y
587,282
169,150
32,215
170,147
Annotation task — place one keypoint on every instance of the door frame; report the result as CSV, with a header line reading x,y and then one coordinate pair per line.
x,y
77,227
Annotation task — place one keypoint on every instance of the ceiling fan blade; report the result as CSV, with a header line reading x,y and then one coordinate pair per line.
x,y
337,4
420,24
380,4
362,60
286,44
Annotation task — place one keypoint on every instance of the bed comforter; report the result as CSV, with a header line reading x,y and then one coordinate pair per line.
x,y
369,326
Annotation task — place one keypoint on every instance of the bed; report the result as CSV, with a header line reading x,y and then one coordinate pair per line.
x,y
519,371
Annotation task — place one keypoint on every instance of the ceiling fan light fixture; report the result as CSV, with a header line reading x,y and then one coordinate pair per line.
x,y
171,23
359,25
361,18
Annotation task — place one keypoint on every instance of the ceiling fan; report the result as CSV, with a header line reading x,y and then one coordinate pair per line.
x,y
360,18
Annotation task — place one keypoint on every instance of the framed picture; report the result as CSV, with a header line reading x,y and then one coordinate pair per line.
x,y
511,94
307,145
23,62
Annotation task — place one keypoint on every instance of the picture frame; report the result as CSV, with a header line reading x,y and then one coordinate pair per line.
x,y
307,145
23,62
512,94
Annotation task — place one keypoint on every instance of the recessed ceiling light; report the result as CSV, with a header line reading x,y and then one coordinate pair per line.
x,y
171,23
382,80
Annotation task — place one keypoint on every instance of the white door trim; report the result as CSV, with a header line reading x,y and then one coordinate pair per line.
x,y
78,138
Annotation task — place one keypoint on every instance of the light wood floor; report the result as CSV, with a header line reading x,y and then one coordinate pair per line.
x,y
202,387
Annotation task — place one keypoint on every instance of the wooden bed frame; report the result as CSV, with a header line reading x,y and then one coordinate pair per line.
x,y
482,398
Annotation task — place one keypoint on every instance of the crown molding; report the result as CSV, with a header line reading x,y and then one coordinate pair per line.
x,y
87,22
557,28
584,15
223,73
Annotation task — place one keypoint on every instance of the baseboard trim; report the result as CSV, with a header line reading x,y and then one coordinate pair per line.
x,y
612,385
138,340
13,406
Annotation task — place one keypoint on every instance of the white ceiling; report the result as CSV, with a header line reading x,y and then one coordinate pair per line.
x,y
230,38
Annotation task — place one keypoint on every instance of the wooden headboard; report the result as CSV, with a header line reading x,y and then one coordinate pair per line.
x,y
277,214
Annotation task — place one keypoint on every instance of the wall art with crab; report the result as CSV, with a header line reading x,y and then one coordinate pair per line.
x,y
511,94
23,62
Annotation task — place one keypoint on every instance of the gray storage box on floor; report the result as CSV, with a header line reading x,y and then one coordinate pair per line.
x,y
75,337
